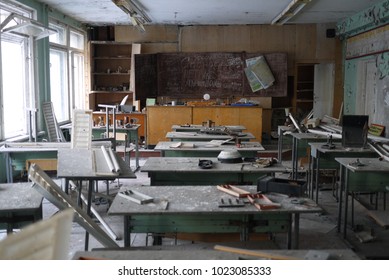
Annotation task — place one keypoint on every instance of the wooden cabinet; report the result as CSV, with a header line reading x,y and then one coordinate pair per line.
x,y
112,72
160,119
304,93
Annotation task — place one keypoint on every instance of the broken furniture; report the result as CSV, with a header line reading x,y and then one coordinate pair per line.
x,y
185,171
299,148
131,135
20,205
370,175
282,131
194,209
44,240
53,193
92,166
17,153
206,149
323,158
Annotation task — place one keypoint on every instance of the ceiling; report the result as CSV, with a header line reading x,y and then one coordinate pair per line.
x,y
209,12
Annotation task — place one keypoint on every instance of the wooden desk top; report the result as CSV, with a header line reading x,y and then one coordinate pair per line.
x,y
369,164
19,197
208,146
186,164
201,200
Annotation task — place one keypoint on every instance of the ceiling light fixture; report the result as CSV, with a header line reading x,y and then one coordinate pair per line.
x,y
137,15
25,26
293,8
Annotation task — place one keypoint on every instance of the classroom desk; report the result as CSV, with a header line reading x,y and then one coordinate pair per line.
x,y
197,136
299,147
185,171
132,135
371,177
15,152
198,127
281,130
195,210
88,165
324,158
207,149
19,205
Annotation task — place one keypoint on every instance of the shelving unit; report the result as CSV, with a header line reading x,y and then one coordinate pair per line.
x,y
112,72
304,93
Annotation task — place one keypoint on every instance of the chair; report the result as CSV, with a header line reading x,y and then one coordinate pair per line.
x,y
123,146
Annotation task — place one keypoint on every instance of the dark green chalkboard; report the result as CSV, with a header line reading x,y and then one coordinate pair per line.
x,y
191,75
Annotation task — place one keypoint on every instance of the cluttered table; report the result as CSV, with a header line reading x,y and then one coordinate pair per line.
x,y
206,171
300,143
91,165
187,209
360,175
323,156
15,152
198,136
198,127
206,149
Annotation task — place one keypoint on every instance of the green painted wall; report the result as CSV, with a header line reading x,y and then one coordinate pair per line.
x,y
369,19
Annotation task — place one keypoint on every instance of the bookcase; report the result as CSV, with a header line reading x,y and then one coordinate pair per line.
x,y
112,72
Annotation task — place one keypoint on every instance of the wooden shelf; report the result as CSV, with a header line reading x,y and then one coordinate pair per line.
x,y
111,68
304,90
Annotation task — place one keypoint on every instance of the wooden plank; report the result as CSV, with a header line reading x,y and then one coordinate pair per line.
x,y
47,164
381,217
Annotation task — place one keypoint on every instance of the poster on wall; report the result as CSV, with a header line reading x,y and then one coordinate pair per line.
x,y
258,73
371,42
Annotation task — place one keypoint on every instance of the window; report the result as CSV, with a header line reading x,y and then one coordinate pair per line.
x,y
17,78
58,84
67,83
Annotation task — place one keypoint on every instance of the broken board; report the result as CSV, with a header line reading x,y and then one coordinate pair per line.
x,y
381,218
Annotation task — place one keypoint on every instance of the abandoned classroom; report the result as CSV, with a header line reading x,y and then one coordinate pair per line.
x,y
219,130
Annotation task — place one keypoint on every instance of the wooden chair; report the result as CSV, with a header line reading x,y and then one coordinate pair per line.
x,y
123,146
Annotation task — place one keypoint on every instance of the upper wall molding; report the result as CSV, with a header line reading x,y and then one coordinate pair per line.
x,y
375,16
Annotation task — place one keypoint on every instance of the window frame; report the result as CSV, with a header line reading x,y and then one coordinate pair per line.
x,y
31,76
71,51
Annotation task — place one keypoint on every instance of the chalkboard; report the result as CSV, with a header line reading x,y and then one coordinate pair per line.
x,y
145,76
191,75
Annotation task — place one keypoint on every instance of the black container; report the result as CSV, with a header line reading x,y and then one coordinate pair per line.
x,y
284,186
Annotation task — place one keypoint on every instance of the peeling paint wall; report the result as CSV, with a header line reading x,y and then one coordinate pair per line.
x,y
366,63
